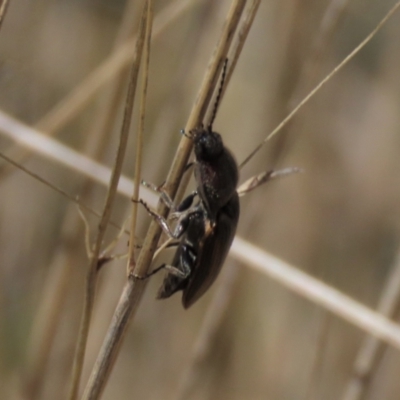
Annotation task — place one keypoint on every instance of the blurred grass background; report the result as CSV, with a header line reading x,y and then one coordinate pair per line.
x,y
339,220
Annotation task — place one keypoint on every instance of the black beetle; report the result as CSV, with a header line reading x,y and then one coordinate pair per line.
x,y
206,230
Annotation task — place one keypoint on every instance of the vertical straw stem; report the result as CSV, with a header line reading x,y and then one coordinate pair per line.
x,y
139,140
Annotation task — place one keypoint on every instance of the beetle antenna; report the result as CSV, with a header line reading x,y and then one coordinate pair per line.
x,y
218,98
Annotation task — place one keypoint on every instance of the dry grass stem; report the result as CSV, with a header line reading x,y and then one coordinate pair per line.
x,y
327,78
318,292
139,140
92,272
133,290
60,153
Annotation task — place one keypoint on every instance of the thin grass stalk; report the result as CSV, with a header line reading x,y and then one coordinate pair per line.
x,y
133,290
64,155
318,292
139,141
92,272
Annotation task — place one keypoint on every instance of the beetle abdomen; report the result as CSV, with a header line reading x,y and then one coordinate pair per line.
x,y
213,252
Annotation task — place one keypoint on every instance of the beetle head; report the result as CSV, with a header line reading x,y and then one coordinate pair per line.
x,y
207,144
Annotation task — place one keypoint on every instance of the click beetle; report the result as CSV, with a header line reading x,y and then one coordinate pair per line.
x,y
206,230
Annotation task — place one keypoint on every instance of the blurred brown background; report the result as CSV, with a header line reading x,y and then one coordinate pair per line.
x,y
338,221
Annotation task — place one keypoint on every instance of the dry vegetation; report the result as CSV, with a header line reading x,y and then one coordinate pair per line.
x,y
250,337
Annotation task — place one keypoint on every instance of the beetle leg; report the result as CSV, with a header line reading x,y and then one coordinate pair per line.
x,y
184,205
187,260
165,197
180,227
170,268
176,271
161,220
167,244
151,273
